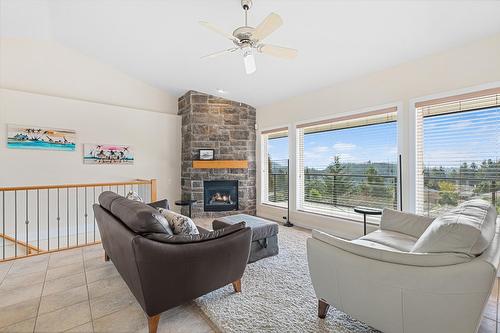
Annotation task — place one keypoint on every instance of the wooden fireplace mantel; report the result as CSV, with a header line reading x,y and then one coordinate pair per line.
x,y
221,164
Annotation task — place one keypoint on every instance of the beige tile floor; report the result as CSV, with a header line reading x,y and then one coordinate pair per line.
x,y
77,291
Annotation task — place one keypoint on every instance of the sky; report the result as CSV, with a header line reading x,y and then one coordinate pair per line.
x,y
449,140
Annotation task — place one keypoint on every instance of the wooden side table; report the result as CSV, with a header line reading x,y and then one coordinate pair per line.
x,y
186,203
367,211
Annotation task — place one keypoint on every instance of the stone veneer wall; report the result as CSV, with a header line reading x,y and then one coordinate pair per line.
x,y
228,127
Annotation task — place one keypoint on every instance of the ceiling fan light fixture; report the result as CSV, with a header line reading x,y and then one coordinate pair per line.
x,y
248,39
249,60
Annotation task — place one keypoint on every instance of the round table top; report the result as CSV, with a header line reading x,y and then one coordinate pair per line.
x,y
368,210
185,202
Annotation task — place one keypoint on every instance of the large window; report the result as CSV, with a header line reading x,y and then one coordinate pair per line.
x,y
458,152
348,162
275,167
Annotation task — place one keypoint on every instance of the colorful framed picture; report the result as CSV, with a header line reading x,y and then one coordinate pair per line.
x,y
107,154
44,138
206,154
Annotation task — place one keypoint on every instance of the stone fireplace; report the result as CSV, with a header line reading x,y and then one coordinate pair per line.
x,y
227,127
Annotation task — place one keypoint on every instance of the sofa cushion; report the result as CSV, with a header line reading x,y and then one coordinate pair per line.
x,y
106,198
397,257
405,223
468,228
391,239
139,217
180,224
374,245
201,237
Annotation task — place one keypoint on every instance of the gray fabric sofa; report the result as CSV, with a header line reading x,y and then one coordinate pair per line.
x,y
163,275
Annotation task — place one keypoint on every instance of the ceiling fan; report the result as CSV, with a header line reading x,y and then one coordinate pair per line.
x,y
248,39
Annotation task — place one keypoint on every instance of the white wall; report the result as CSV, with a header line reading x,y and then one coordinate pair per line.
x,y
47,67
155,138
470,65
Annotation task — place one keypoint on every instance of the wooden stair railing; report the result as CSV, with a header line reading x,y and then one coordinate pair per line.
x,y
30,248
46,218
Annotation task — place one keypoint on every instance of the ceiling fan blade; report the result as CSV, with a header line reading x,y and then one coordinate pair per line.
x,y
272,22
217,30
278,51
216,54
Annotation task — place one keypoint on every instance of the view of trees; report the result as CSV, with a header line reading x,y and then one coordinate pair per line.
x,y
372,184
447,187
375,184
278,180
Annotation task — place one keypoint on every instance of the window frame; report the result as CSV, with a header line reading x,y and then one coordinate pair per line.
x,y
414,105
263,172
295,163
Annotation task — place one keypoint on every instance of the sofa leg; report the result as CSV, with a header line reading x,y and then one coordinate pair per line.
x,y
322,308
106,258
237,286
153,323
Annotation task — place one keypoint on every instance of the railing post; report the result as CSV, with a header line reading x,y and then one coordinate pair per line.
x,y
493,192
334,194
154,190
396,193
274,186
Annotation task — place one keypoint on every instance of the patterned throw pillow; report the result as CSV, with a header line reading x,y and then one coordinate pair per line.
x,y
134,196
180,224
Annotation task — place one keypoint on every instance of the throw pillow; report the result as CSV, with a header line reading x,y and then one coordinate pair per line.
x,y
202,237
134,196
180,224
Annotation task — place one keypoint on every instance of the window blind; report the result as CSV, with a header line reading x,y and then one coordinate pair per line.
x,y
275,167
458,151
348,161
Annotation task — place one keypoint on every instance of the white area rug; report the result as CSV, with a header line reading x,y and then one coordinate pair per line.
x,y
277,296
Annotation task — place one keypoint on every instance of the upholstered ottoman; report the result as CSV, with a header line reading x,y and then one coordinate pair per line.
x,y
264,234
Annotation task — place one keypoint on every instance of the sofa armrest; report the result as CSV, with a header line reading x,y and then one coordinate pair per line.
x,y
404,223
402,258
172,274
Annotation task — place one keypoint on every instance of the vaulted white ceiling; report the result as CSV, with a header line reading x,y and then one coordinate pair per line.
x,y
161,42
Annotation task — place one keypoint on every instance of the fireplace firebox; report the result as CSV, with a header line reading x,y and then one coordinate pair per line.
x,y
220,195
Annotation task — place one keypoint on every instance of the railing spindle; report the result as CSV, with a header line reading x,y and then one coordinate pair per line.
x,y
94,215
15,225
76,216
48,219
27,222
38,220
67,217
86,215
3,224
58,222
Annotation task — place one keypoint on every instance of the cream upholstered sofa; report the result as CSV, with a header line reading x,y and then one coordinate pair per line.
x,y
414,274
